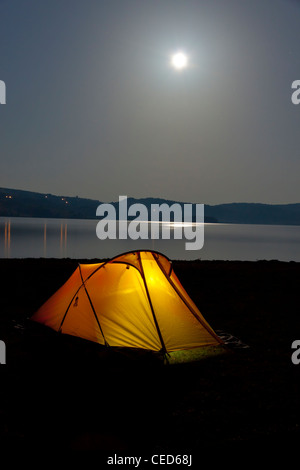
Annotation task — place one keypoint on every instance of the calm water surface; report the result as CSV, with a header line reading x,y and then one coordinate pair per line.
x,y
61,238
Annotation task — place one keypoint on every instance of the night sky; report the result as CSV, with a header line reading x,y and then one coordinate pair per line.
x,y
94,109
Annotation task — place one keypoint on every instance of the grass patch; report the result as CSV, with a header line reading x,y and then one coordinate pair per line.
x,y
196,354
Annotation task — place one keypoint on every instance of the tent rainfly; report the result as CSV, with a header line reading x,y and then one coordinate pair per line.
x,y
133,300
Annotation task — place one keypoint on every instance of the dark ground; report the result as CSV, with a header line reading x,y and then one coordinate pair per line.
x,y
60,392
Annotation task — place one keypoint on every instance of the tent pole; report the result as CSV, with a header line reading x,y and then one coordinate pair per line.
x,y
163,349
187,304
92,306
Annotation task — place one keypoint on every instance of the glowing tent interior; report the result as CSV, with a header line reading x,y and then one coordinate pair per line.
x,y
133,300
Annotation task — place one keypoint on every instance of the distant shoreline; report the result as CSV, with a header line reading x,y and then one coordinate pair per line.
x,y
95,219
19,203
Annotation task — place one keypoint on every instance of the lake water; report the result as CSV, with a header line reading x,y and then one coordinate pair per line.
x,y
68,238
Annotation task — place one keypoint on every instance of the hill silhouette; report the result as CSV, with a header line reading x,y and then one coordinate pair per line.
x,y
19,203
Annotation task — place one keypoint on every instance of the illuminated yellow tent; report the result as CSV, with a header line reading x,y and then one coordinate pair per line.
x,y
134,300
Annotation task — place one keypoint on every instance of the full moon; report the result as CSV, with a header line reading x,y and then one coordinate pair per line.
x,y
179,60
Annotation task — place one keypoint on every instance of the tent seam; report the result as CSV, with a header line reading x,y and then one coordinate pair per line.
x,y
186,303
151,306
92,306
